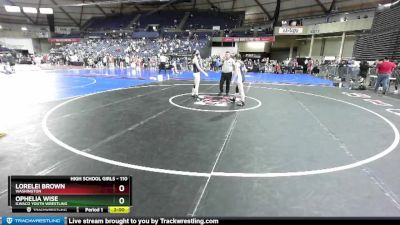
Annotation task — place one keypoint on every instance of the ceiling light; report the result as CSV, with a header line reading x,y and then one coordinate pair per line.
x,y
46,10
11,8
29,10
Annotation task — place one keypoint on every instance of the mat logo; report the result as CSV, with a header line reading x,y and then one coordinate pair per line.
x,y
378,102
356,95
394,111
367,98
214,101
9,220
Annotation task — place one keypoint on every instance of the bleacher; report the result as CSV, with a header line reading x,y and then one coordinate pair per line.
x,y
196,20
265,32
110,23
206,34
144,34
386,20
4,49
74,34
178,35
162,18
384,38
207,19
377,46
241,34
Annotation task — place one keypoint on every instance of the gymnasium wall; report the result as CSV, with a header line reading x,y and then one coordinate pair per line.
x,y
18,43
331,47
33,45
221,50
41,45
254,46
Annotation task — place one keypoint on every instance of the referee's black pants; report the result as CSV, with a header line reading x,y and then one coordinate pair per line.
x,y
162,66
225,77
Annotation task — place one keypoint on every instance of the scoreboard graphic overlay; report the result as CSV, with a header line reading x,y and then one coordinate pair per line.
x,y
75,194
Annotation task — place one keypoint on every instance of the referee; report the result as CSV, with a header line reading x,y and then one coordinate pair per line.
x,y
163,63
226,74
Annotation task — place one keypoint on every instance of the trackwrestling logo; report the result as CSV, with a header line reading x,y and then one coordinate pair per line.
x,y
209,100
40,220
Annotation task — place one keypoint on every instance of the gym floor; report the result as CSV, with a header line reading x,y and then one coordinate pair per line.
x,y
299,147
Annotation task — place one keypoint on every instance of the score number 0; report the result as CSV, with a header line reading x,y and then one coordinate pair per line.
x,y
121,200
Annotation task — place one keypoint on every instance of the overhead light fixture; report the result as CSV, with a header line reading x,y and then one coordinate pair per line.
x,y
24,28
1,27
46,10
12,8
29,10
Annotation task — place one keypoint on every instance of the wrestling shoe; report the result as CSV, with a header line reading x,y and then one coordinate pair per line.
x,y
241,103
197,98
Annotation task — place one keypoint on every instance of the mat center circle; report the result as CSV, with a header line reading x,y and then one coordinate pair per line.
x,y
210,102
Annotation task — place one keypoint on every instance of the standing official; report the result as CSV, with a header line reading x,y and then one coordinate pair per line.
x,y
226,74
163,64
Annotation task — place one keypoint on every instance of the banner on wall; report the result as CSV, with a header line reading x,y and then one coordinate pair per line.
x,y
42,34
314,29
291,30
216,28
64,30
244,39
257,55
64,40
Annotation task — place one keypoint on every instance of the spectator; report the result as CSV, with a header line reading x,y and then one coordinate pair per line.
x,y
364,69
113,52
396,74
293,65
278,68
315,68
384,70
310,66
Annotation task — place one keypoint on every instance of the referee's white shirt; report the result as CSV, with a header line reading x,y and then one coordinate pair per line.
x,y
163,59
227,66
